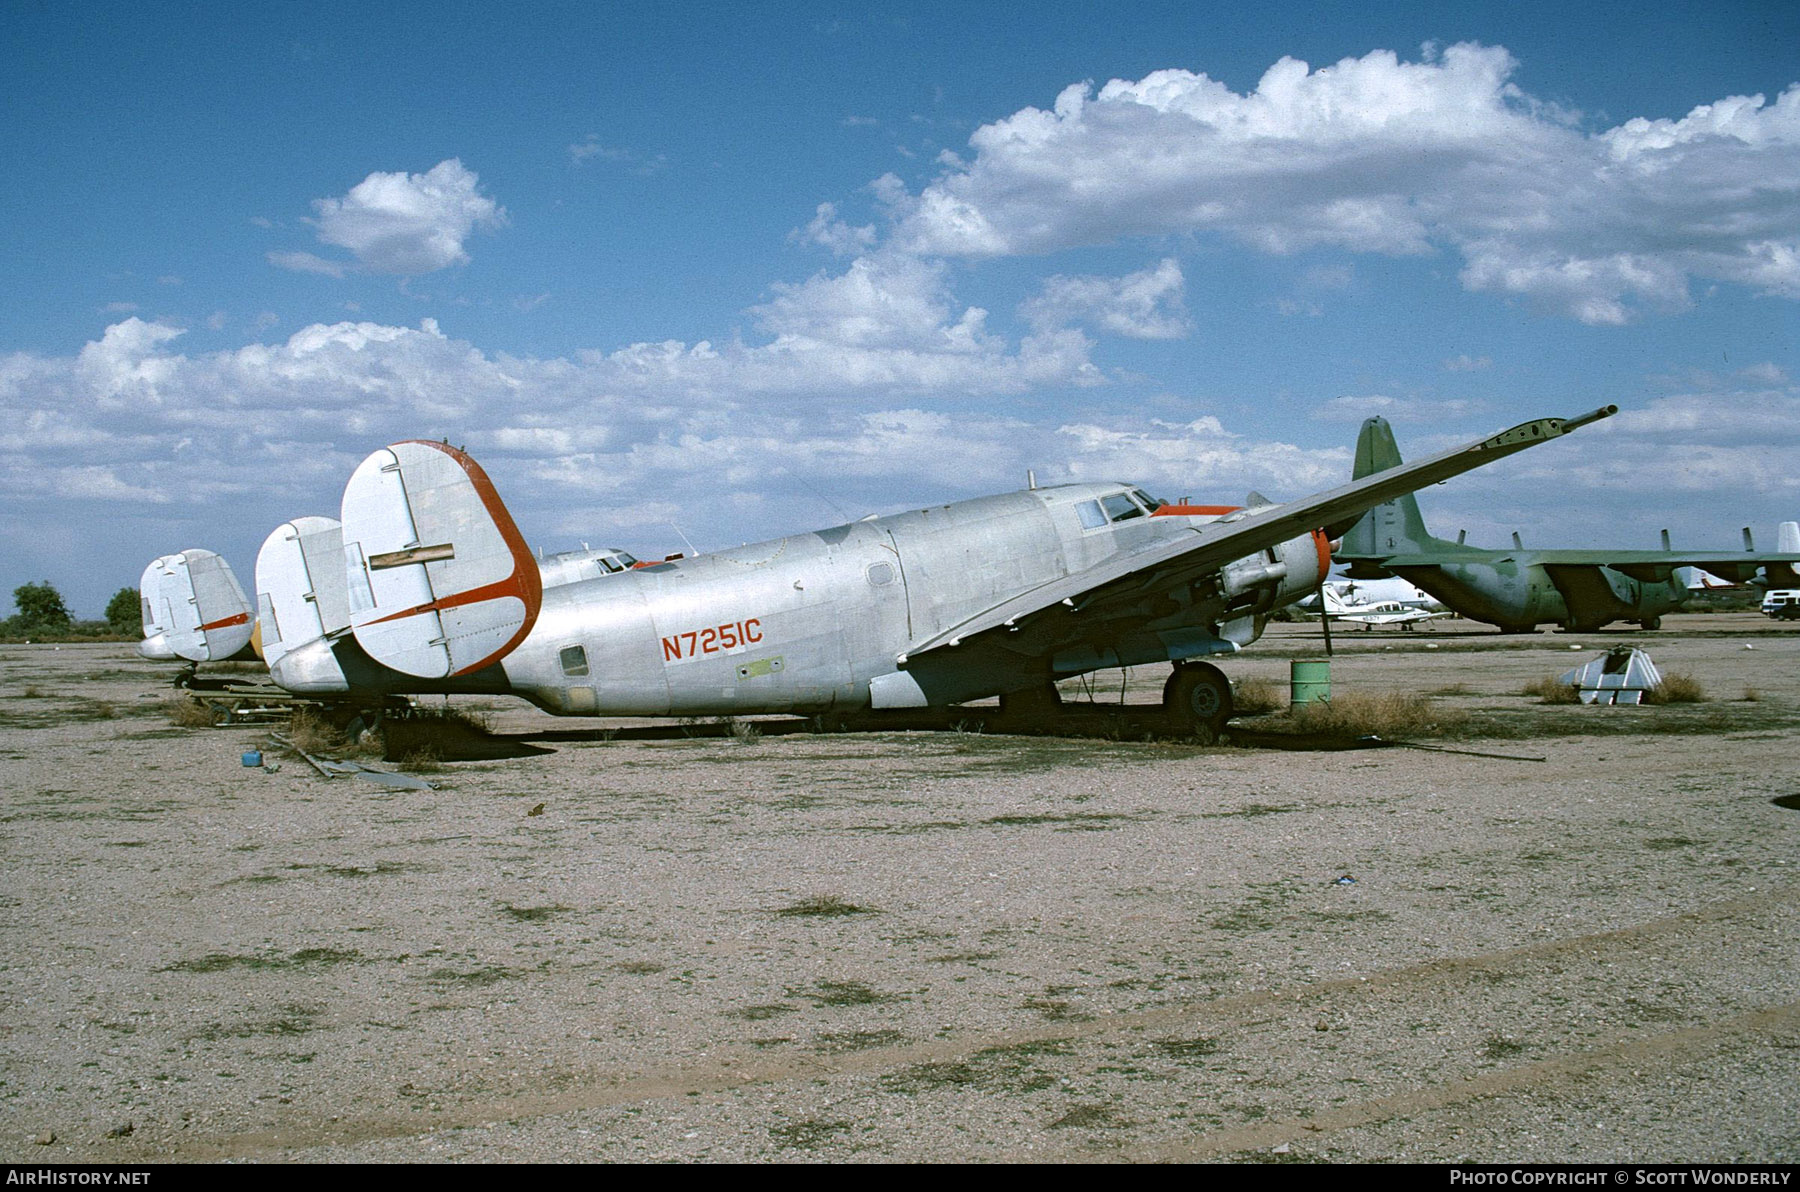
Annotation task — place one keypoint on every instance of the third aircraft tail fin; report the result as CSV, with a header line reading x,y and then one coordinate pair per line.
x,y
1393,527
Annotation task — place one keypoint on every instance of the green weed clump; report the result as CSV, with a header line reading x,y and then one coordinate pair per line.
x,y
823,906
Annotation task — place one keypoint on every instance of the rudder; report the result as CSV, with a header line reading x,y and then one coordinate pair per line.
x,y
1393,527
440,580
194,608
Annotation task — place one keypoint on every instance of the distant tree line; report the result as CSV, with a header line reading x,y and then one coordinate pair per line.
x,y
43,616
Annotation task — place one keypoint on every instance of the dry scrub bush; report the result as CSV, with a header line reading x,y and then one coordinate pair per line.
x,y
1255,697
312,733
185,711
1355,714
1552,690
1676,689
422,760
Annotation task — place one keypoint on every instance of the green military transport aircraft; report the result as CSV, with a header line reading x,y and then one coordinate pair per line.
x,y
1519,589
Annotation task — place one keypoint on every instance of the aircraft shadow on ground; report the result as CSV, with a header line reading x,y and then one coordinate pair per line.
x,y
1075,722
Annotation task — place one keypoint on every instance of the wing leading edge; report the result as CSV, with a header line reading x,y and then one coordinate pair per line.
x,y
1042,615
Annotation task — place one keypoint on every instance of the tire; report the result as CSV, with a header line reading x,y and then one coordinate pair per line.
x,y
1651,622
1197,699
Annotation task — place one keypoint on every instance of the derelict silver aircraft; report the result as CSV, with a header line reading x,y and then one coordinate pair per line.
x,y
426,586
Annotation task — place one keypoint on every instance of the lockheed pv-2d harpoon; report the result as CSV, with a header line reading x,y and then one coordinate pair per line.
x,y
426,586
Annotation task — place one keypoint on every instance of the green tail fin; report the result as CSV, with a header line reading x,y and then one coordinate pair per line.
x,y
1393,527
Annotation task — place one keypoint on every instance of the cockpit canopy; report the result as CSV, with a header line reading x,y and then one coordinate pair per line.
x,y
568,566
1116,507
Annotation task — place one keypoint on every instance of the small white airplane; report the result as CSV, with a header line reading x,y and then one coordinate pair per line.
x,y
1344,603
426,586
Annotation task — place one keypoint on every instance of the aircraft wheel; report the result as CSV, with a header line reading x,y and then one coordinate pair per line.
x,y
1651,622
1197,698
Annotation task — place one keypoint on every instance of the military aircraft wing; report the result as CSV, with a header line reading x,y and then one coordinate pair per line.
x,y
1652,566
1125,580
1646,566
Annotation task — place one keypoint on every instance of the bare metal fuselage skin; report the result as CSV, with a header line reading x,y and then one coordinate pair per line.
x,y
819,621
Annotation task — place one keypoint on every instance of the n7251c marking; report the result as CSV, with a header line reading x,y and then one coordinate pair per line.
x,y
711,640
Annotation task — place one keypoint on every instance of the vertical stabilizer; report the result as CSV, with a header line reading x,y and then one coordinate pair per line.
x,y
193,608
301,591
440,580
1393,527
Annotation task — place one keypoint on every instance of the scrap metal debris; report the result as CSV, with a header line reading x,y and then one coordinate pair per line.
x,y
330,767
1620,676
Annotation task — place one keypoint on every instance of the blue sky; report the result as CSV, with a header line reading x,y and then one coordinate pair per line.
x,y
747,270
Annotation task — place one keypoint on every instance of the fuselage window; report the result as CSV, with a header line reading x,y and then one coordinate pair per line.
x,y
881,574
1091,517
574,661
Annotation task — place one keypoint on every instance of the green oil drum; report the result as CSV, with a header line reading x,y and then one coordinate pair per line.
x,y
1309,680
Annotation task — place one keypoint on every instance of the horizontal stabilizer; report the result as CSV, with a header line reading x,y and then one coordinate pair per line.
x,y
193,608
440,580
301,594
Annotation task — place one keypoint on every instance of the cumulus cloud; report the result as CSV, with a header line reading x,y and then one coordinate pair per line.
x,y
136,447
828,230
1395,409
400,223
1198,457
1378,155
228,443
1143,305
1468,363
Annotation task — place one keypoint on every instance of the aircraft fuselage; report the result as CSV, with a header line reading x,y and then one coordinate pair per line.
x,y
1519,594
818,621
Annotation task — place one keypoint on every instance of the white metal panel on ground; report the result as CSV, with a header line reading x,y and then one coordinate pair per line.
x,y
1622,675
195,608
440,580
300,590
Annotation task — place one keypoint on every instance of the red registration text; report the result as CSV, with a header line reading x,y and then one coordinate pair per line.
x,y
711,640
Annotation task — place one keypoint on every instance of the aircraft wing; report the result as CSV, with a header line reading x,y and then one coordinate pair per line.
x,y
1119,584
1645,566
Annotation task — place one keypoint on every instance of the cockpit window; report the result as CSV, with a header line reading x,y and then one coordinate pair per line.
x,y
1091,517
1120,507
1146,500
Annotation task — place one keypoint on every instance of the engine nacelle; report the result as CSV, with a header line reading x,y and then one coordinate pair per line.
x,y
1277,577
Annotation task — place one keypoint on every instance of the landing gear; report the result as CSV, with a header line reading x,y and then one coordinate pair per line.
x,y
1197,699
1651,622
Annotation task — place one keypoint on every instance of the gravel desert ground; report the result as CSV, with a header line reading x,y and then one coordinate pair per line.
x,y
938,946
